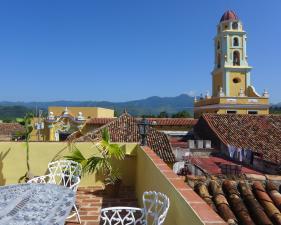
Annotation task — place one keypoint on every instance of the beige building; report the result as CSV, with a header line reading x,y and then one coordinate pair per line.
x,y
233,91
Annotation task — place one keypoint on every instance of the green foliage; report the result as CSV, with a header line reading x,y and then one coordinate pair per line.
x,y
182,114
10,113
114,177
102,162
27,123
275,110
163,114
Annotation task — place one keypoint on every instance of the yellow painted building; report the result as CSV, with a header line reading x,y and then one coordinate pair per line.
x,y
63,121
232,90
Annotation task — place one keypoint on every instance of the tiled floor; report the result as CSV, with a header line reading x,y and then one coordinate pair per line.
x,y
90,201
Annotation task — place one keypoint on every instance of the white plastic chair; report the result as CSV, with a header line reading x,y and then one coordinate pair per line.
x,y
155,209
63,172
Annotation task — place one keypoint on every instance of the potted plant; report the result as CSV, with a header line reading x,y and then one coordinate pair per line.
x,y
102,163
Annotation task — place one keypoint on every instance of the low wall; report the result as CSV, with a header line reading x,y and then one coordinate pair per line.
x,y
13,160
186,207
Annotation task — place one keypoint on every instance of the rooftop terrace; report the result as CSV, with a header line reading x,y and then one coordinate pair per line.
x,y
142,170
90,200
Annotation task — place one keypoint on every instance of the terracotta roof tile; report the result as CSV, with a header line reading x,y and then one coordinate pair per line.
x,y
173,121
229,15
10,128
259,133
99,121
251,202
125,129
155,121
212,165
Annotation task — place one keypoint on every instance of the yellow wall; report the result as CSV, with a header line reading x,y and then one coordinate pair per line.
x,y
198,113
149,177
88,112
217,82
245,111
105,113
138,171
48,134
234,88
14,164
221,101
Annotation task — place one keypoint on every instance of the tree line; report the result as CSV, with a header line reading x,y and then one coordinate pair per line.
x,y
164,114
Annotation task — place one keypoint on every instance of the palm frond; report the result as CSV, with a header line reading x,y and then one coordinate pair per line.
x,y
105,135
77,156
93,163
116,151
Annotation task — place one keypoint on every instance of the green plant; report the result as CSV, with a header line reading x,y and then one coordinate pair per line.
x,y
101,162
113,177
27,123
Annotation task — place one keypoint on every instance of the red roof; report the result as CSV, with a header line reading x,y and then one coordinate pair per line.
x,y
154,121
259,133
100,121
178,143
229,15
173,121
10,128
212,165
125,129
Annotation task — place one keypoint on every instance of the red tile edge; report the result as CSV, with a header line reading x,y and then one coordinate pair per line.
x,y
201,208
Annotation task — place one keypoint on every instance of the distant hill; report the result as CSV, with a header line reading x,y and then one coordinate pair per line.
x,y
9,113
152,105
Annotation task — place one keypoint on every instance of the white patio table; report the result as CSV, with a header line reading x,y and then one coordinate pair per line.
x,y
35,204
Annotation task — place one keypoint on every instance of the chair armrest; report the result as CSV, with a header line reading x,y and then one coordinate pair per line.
x,y
123,215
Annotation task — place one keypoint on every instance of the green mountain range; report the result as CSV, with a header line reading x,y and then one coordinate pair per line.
x,y
149,106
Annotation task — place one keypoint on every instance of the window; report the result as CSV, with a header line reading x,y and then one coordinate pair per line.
x,y
235,26
231,111
235,41
236,80
219,60
253,112
236,58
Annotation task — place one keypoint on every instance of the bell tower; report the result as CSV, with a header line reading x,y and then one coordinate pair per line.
x,y
232,91
231,73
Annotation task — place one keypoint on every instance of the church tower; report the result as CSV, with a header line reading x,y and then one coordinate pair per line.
x,y
232,91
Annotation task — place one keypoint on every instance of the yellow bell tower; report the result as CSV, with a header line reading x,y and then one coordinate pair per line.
x,y
232,91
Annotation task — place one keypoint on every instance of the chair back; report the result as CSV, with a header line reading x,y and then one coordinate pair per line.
x,y
71,182
65,166
156,207
66,173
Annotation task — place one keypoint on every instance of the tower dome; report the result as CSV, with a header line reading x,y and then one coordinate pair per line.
x,y
229,15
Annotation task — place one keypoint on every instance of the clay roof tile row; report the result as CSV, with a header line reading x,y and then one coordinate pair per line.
x,y
10,128
258,133
243,202
154,121
125,129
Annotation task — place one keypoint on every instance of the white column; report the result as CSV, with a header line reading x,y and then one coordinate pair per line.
x,y
248,79
245,50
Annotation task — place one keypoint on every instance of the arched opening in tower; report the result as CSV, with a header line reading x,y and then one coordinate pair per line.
x,y
236,58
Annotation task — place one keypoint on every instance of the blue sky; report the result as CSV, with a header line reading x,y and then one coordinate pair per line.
x,y
121,50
